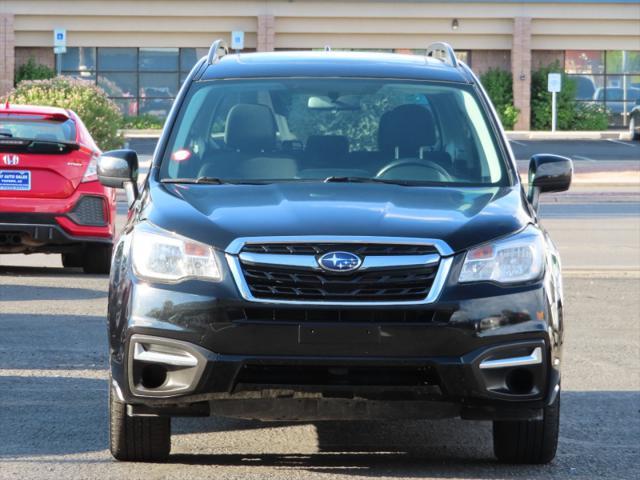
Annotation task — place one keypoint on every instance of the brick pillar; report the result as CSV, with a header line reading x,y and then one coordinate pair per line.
x,y
7,49
266,33
521,70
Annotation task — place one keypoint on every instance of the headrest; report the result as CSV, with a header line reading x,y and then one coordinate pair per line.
x,y
407,127
250,128
329,145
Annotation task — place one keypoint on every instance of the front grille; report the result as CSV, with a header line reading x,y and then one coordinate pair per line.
x,y
290,283
89,211
362,250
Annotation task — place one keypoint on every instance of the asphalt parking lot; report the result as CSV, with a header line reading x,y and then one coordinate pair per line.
x,y
53,380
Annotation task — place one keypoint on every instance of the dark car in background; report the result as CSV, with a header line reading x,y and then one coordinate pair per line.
x,y
50,197
335,236
634,121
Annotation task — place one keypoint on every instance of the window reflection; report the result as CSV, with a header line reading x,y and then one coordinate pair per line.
x,y
610,79
139,80
159,59
117,59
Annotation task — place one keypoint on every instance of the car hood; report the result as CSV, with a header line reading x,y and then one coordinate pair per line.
x,y
218,214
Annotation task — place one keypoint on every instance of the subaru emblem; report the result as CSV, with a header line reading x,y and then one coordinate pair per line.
x,y
339,262
11,159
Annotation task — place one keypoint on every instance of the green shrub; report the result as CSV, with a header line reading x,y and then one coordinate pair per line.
x,y
591,116
142,122
99,113
572,115
33,71
499,86
541,100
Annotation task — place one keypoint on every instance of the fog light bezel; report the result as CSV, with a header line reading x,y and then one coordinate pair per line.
x,y
492,380
183,364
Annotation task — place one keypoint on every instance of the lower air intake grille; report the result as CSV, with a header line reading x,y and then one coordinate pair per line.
x,y
89,211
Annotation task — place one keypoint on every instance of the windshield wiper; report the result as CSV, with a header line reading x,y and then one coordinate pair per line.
x,y
202,180
334,179
213,181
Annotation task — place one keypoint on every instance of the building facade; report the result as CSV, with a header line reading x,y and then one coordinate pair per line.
x,y
139,51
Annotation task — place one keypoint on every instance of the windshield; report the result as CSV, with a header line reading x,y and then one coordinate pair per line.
x,y
271,130
35,127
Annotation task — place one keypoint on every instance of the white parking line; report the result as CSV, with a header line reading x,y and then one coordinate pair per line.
x,y
626,144
518,143
580,157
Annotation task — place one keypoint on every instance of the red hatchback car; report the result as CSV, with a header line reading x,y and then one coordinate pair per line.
x,y
50,197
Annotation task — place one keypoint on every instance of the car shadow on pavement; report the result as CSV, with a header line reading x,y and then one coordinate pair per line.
x,y
30,341
11,270
603,427
43,416
21,293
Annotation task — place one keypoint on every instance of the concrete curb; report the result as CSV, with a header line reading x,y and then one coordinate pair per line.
x,y
142,133
511,135
599,272
601,135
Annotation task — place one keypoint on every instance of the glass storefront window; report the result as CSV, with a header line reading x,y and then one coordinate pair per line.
x,y
610,79
158,84
158,107
159,59
118,84
586,85
623,62
117,59
128,106
189,57
79,59
84,75
584,61
139,80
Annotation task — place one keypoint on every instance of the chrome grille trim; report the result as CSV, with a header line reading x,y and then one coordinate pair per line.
x,y
311,262
235,247
233,257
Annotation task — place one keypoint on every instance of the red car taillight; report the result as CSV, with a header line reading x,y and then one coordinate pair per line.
x,y
91,174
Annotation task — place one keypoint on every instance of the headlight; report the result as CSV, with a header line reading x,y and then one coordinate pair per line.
x,y
161,255
518,258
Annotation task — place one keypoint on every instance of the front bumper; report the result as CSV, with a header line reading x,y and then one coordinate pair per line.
x,y
295,363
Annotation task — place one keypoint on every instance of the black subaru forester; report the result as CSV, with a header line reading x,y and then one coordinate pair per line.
x,y
334,236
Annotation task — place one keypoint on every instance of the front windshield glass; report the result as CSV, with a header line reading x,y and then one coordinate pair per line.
x,y
270,130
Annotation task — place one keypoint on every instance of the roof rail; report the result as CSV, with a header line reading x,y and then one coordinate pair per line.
x,y
213,55
443,51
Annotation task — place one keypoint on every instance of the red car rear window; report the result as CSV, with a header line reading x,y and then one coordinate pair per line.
x,y
35,127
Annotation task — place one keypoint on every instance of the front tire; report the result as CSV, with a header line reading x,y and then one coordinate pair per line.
x,y
97,259
533,441
137,439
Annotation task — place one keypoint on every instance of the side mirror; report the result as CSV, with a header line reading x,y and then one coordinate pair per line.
x,y
548,173
119,169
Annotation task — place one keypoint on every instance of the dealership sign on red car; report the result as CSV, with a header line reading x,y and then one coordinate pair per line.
x,y
50,197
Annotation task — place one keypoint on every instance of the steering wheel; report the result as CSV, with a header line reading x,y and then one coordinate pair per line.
x,y
417,163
